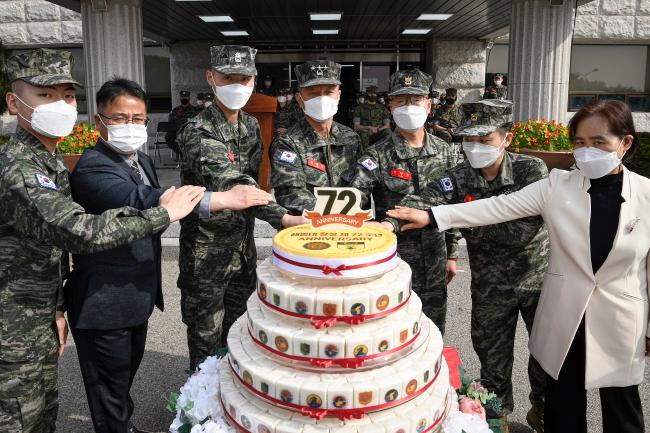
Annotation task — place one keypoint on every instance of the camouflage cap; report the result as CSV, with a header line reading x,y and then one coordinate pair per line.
x,y
42,67
410,82
233,59
498,75
484,117
372,88
185,93
451,92
315,72
434,93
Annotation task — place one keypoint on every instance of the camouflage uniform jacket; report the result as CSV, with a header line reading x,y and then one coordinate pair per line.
x,y
288,115
301,160
392,169
177,118
449,117
494,92
371,115
504,254
218,155
38,222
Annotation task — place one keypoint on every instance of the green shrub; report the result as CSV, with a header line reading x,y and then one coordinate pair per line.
x,y
641,161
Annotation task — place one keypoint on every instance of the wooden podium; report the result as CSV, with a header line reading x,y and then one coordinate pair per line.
x,y
263,108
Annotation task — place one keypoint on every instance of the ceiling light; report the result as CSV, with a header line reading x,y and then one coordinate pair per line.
x,y
216,18
434,17
415,31
234,33
333,16
325,32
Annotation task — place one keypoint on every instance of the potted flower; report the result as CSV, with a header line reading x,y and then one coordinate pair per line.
x,y
545,139
83,136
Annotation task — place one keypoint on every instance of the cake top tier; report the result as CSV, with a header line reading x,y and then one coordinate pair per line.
x,y
336,252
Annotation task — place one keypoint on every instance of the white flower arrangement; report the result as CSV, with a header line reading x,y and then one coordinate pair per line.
x,y
459,422
197,406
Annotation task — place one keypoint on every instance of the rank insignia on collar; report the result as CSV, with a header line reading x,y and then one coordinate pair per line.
x,y
46,182
231,156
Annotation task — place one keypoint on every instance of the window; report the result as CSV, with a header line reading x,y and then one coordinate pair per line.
x,y
609,72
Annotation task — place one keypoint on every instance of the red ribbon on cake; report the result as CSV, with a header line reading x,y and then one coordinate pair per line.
x,y
320,322
341,362
342,414
356,220
233,422
338,271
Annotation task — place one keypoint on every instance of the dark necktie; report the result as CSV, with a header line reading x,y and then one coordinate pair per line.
x,y
136,170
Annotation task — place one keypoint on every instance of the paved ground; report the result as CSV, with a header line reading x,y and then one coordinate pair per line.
x,y
166,360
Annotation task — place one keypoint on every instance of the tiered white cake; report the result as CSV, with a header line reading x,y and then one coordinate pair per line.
x,y
334,340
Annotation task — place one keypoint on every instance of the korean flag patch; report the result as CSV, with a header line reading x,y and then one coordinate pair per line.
x,y
446,184
287,156
369,164
46,182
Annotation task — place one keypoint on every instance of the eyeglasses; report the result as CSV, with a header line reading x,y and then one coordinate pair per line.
x,y
123,120
401,101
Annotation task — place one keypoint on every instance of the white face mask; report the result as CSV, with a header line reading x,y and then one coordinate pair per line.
x,y
53,120
233,96
321,108
289,97
282,99
410,118
435,101
481,155
126,139
498,82
208,103
596,163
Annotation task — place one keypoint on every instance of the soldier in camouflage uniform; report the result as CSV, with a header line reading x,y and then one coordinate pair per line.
x,y
448,116
498,91
313,152
221,147
288,114
404,163
370,118
39,222
508,260
178,116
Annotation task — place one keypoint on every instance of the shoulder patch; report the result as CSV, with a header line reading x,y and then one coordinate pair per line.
x,y
46,182
369,164
446,185
286,156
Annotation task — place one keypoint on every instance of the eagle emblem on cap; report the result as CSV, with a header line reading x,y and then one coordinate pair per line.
x,y
320,69
237,57
408,80
474,117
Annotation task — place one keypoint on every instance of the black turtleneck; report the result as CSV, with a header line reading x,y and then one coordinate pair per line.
x,y
606,202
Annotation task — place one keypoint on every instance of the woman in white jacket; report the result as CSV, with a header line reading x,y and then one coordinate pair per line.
x,y
591,326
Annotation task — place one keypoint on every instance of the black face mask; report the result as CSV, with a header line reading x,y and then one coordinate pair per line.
x,y
450,101
372,99
185,101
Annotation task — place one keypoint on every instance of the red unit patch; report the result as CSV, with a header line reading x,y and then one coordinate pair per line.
x,y
401,174
317,165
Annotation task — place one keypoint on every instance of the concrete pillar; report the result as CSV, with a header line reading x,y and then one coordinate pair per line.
x,y
540,58
112,35
459,64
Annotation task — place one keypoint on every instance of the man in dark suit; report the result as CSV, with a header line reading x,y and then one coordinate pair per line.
x,y
110,295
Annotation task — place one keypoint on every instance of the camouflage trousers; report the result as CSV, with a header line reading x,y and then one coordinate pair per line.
x,y
213,304
428,262
495,312
28,389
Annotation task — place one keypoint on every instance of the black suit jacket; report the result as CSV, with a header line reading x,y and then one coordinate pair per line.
x,y
117,288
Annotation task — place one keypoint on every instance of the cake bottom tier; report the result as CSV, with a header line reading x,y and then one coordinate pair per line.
x,y
248,413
